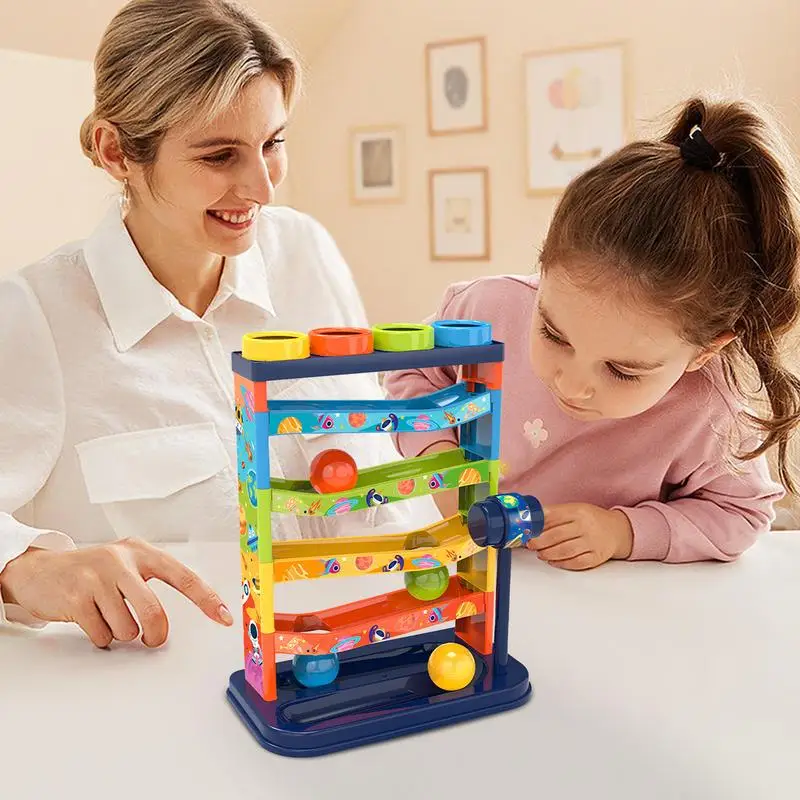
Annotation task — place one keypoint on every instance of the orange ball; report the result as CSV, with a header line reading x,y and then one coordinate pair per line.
x,y
333,471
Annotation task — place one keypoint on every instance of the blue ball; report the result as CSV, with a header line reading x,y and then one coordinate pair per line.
x,y
313,671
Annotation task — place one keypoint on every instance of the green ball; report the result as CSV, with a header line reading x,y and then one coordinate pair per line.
x,y
427,584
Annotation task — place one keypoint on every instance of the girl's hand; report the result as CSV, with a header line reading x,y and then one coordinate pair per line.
x,y
91,586
581,536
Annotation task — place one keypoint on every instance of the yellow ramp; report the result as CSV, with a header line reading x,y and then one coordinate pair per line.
x,y
446,542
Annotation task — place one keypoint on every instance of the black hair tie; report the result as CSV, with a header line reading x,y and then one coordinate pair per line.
x,y
698,152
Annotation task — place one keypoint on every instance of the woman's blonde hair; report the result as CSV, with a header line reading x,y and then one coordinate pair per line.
x,y
163,62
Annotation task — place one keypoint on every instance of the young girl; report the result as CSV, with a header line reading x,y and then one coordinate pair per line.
x,y
668,277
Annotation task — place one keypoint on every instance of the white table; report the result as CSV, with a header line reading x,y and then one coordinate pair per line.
x,y
650,682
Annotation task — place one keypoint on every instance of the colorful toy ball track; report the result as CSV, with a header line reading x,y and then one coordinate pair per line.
x,y
384,666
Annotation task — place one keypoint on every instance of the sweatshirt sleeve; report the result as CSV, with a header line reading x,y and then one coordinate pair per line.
x,y
408,383
31,426
717,514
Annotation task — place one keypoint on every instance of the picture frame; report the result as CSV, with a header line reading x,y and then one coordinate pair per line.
x,y
376,164
459,214
577,111
456,86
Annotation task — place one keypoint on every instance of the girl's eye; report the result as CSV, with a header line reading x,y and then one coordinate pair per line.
x,y
622,376
616,374
550,336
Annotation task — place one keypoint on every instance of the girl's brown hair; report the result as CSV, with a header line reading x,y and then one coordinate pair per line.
x,y
163,62
714,246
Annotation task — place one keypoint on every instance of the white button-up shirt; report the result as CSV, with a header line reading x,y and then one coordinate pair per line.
x,y
116,402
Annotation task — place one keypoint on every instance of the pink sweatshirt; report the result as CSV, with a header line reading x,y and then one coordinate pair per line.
x,y
665,468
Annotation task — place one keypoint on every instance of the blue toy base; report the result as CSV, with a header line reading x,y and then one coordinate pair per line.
x,y
381,692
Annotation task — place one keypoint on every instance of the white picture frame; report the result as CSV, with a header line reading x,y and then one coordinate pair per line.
x,y
576,112
456,86
459,214
376,164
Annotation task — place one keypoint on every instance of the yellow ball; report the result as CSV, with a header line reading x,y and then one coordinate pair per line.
x,y
451,666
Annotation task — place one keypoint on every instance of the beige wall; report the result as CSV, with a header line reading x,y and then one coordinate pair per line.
x,y
372,73
72,28
51,193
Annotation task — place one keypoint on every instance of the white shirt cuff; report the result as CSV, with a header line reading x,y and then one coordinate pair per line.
x,y
12,614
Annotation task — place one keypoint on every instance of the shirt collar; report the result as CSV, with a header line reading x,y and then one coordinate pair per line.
x,y
134,302
245,275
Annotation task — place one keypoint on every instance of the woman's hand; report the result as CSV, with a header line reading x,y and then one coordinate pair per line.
x,y
581,536
91,586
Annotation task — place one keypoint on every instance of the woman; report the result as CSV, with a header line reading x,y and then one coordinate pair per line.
x,y
116,422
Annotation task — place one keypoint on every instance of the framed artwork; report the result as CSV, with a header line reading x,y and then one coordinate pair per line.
x,y
459,214
456,86
576,110
375,164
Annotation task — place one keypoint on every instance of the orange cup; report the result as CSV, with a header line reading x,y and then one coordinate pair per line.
x,y
340,341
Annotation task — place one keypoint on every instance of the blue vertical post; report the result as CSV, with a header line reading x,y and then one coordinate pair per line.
x,y
494,434
502,599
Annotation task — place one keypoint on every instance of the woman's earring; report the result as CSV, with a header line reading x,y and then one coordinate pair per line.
x,y
126,196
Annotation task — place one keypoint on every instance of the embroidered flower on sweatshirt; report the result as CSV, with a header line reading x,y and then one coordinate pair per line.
x,y
536,432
